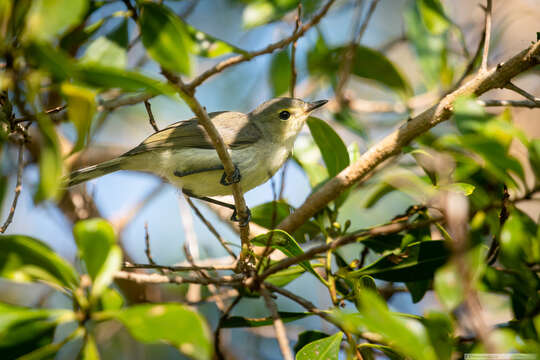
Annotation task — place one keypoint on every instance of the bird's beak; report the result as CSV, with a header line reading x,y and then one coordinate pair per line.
x,y
315,104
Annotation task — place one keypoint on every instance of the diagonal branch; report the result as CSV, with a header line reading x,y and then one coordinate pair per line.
x,y
267,50
210,227
223,153
487,34
392,144
281,334
18,188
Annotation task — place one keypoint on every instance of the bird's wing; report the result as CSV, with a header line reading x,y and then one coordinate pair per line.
x,y
235,129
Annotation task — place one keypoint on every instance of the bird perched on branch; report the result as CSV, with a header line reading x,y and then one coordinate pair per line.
x,y
259,142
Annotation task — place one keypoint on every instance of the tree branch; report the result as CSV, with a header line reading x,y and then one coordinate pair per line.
x,y
18,188
267,50
142,278
281,334
487,34
391,145
210,227
224,156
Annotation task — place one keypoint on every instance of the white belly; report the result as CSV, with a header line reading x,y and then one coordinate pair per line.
x,y
257,163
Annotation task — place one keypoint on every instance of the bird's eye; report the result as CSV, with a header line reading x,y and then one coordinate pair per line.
x,y
284,115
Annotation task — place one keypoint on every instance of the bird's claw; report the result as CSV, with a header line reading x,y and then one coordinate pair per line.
x,y
235,177
242,222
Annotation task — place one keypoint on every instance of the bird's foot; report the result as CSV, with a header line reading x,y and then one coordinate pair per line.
x,y
235,177
242,222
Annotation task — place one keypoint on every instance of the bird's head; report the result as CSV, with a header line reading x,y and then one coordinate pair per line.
x,y
282,118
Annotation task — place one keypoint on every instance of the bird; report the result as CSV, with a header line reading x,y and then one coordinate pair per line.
x,y
260,142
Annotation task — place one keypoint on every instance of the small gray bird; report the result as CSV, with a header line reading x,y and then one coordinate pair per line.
x,y
260,142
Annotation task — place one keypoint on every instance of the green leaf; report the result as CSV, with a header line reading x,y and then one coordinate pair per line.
x,y
440,333
165,37
263,215
175,324
97,248
120,35
283,242
323,349
518,240
105,52
56,62
403,335
459,187
360,285
307,337
284,277
280,73
239,321
23,330
534,157
386,350
81,103
374,65
433,16
258,13
430,49
448,286
23,258
47,18
418,261
368,63
50,161
109,78
111,299
333,150
74,39
208,46
376,193
94,238
90,350
417,289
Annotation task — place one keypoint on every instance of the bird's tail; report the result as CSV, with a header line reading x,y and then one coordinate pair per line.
x,y
94,171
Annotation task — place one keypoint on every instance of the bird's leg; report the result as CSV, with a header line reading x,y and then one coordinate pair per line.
x,y
234,216
235,177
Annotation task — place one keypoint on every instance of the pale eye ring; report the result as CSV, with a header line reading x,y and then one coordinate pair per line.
x,y
284,115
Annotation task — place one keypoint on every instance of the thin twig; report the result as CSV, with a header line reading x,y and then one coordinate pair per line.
x,y
520,91
294,74
222,319
147,250
365,23
471,64
487,35
132,10
267,50
150,115
281,334
122,221
493,251
457,214
350,53
210,227
309,306
190,259
18,188
124,101
512,103
194,267
141,278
